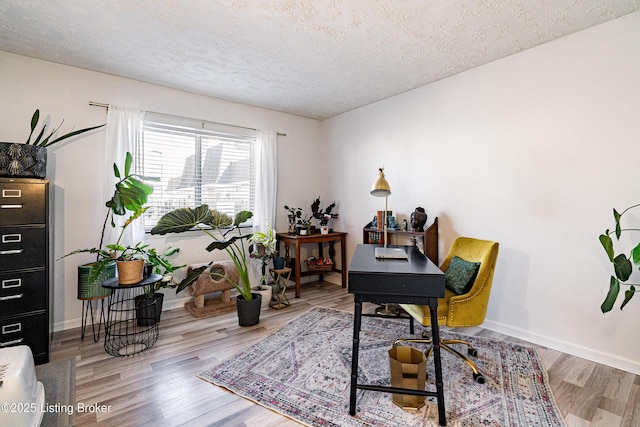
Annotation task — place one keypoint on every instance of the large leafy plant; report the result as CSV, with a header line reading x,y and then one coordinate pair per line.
x,y
129,196
225,233
622,264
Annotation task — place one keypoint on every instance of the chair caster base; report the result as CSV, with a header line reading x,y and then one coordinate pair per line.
x,y
479,378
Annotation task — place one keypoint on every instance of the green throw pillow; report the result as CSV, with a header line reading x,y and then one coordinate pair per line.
x,y
460,275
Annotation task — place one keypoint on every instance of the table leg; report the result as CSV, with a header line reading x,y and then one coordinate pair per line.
x,y
298,272
357,317
321,255
435,337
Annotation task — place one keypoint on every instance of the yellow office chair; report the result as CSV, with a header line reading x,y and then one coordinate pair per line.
x,y
468,268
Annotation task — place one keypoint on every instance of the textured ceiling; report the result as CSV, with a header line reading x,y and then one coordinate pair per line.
x,y
313,58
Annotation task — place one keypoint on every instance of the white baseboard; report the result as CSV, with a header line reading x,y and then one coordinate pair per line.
x,y
77,322
608,359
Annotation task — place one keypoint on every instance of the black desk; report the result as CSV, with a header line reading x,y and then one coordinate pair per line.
x,y
124,333
413,281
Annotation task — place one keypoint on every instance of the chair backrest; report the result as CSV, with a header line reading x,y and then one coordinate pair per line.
x,y
475,250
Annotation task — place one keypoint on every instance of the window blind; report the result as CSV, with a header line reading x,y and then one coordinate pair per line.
x,y
197,162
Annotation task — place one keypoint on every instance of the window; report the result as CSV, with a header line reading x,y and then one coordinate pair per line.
x,y
197,162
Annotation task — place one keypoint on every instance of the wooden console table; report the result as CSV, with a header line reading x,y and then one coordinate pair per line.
x,y
320,239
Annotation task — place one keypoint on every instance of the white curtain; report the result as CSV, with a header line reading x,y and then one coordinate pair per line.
x,y
124,132
266,168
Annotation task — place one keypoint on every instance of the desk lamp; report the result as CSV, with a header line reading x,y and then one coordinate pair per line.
x,y
381,188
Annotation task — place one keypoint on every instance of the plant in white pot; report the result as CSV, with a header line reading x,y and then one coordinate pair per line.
x,y
264,249
226,233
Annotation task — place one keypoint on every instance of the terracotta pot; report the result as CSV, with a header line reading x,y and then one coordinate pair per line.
x,y
130,272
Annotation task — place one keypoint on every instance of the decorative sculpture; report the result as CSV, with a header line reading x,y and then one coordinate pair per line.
x,y
418,219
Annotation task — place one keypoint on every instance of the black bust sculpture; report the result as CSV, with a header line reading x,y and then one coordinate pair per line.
x,y
418,219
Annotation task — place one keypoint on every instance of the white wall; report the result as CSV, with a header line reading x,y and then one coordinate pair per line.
x,y
532,151
76,168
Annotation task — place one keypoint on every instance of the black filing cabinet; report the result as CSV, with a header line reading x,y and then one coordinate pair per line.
x,y
24,265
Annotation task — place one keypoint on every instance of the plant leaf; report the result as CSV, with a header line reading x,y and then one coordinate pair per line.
x,y
607,244
635,255
628,294
192,276
127,164
34,123
614,288
617,216
116,171
622,267
241,217
181,220
68,135
224,244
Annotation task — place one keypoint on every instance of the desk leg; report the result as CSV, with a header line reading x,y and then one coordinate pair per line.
x,y
343,260
435,336
357,317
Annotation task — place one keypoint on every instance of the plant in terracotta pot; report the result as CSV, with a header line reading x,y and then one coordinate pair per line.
x,y
130,195
226,234
30,159
622,263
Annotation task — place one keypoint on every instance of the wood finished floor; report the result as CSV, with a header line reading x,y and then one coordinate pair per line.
x,y
159,386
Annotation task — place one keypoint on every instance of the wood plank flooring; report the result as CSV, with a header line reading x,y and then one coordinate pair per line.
x,y
159,386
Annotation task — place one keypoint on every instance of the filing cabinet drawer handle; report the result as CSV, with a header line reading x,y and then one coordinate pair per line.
x,y
12,283
11,193
10,206
12,238
9,329
11,252
8,343
18,296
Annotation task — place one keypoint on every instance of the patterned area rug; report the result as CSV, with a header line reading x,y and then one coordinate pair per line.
x,y
308,377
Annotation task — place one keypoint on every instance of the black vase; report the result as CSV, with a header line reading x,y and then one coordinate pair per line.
x,y
248,311
149,309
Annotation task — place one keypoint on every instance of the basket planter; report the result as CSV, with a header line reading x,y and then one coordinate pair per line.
x,y
130,272
22,160
314,264
94,290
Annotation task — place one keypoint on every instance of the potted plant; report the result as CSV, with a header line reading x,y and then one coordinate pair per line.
x,y
30,159
265,251
622,264
226,234
149,304
293,216
130,195
323,216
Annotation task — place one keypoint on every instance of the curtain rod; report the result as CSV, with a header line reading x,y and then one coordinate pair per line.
x,y
103,105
